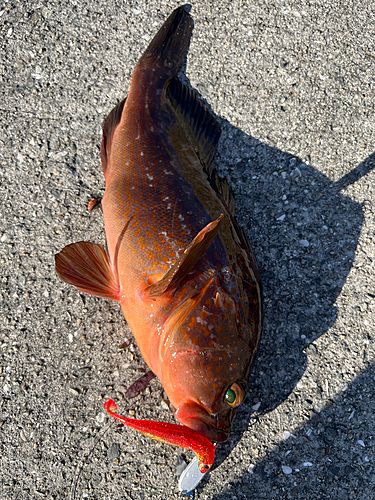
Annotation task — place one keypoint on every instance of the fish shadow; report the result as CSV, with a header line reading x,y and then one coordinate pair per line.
x,y
304,232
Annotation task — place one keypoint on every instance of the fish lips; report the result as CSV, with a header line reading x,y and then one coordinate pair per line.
x,y
215,427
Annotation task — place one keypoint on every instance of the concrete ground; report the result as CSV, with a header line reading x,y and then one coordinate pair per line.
x,y
292,82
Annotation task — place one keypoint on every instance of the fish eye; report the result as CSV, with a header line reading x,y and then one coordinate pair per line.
x,y
234,395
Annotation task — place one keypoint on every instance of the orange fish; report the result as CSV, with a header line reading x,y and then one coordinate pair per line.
x,y
176,260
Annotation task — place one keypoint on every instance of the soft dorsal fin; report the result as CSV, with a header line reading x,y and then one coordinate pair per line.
x,y
86,266
197,120
189,258
220,184
203,130
109,125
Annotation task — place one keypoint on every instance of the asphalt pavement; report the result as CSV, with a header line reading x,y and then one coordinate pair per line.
x,y
292,83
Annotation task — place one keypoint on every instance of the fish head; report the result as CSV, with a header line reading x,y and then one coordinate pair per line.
x,y
206,364
206,393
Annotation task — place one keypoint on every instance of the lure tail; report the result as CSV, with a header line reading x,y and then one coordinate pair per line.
x,y
177,435
169,47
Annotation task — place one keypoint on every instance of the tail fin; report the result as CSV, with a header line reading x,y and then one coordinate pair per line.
x,y
171,43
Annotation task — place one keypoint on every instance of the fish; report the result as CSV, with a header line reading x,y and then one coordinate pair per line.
x,y
175,259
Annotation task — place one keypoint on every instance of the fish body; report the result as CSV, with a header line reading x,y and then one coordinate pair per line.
x,y
177,261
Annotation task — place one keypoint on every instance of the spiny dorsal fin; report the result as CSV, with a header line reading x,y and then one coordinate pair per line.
x,y
190,257
197,120
109,125
86,266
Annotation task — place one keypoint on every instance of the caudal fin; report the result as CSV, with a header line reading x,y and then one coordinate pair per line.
x,y
170,45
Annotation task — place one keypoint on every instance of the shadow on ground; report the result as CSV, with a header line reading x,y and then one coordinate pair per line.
x,y
336,446
304,232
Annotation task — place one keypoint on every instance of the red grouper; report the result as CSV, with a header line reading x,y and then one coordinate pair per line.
x,y
177,261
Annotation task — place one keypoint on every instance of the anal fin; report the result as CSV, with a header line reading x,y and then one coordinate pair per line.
x,y
86,266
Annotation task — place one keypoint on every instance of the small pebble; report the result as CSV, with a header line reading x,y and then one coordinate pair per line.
x,y
100,417
23,435
307,464
256,406
286,435
114,451
304,243
286,469
281,218
164,405
361,443
124,344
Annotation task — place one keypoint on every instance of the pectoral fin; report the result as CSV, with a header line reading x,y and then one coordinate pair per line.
x,y
190,257
86,266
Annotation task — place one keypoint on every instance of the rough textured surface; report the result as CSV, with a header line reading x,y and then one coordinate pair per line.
x,y
293,82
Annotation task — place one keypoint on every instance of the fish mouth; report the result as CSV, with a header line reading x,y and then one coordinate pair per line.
x,y
212,433
214,426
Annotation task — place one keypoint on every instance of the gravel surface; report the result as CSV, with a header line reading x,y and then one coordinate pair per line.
x,y
292,82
